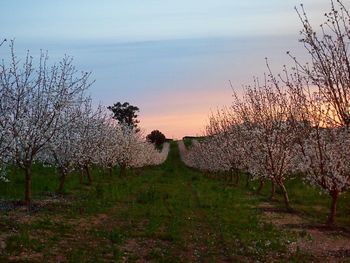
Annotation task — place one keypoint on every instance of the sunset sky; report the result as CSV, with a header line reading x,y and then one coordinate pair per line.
x,y
173,59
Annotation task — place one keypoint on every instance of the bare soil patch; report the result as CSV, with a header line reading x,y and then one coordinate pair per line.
x,y
322,243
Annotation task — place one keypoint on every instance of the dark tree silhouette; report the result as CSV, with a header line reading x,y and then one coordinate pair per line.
x,y
156,137
125,114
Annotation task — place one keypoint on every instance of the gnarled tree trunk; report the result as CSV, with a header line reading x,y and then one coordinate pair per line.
x,y
261,186
247,181
87,170
28,185
285,195
63,176
122,170
81,175
333,210
237,178
273,190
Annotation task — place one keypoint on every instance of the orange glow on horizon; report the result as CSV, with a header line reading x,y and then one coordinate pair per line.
x,y
176,126
182,114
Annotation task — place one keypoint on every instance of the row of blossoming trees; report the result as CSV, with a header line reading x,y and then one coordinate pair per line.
x,y
296,122
46,117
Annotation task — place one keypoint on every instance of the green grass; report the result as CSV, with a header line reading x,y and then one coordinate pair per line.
x,y
168,213
187,142
309,201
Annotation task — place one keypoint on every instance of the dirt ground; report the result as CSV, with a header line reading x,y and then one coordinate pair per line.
x,y
322,243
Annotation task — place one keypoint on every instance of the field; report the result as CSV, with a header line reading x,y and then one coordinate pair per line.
x,y
167,213
265,179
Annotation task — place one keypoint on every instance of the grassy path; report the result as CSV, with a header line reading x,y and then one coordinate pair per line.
x,y
168,213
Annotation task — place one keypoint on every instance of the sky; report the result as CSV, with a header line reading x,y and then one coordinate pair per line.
x,y
172,59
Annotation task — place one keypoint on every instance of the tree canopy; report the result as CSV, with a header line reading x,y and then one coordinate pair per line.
x,y
125,114
156,137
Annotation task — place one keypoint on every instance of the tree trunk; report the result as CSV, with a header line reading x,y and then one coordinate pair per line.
x,y
122,170
248,181
62,181
16,170
28,185
88,174
262,182
81,176
333,211
285,196
237,178
273,190
110,171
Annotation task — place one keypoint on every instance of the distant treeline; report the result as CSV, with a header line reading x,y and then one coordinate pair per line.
x,y
194,138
